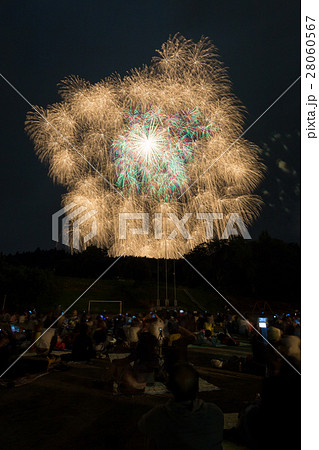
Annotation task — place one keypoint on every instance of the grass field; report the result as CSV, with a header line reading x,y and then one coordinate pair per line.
x,y
140,296
136,295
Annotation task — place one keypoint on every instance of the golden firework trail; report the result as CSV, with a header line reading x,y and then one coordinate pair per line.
x,y
152,134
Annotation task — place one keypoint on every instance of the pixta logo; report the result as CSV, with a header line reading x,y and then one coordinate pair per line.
x,y
180,225
71,224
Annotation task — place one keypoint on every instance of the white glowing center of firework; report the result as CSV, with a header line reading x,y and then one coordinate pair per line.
x,y
147,145
152,154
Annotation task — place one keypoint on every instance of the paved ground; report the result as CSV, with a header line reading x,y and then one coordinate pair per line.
x,y
67,410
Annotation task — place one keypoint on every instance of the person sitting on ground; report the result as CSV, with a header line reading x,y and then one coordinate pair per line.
x,y
99,339
7,347
205,337
133,332
132,380
227,339
243,326
43,344
145,356
175,345
100,333
48,320
74,320
209,323
276,415
273,333
184,422
200,322
191,322
123,375
82,349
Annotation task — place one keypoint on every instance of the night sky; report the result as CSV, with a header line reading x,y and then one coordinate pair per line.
x,y
43,42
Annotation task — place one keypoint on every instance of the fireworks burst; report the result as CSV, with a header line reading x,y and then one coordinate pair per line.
x,y
152,134
151,156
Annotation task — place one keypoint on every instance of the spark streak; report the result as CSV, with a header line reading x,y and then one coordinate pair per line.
x,y
152,133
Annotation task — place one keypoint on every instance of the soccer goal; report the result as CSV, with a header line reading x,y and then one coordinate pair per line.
x,y
106,302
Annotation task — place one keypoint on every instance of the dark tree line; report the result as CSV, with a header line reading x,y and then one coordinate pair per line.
x,y
266,269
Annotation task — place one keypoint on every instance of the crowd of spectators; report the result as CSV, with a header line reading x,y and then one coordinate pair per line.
x,y
155,346
157,335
